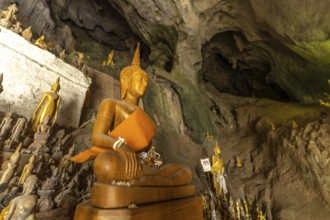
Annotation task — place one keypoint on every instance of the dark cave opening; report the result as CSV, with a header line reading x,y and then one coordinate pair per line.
x,y
169,65
233,65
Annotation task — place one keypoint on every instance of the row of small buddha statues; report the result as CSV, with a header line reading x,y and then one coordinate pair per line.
x,y
229,208
49,179
117,154
8,19
218,201
43,118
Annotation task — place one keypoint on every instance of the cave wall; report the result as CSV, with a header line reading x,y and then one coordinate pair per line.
x,y
290,37
276,49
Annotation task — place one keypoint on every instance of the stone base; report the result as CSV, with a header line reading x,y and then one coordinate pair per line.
x,y
182,209
123,196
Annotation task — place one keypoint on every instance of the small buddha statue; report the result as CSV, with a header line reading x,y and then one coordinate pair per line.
x,y
17,28
62,55
65,162
1,79
27,170
238,162
47,107
110,59
11,166
153,158
231,207
293,125
5,125
217,169
131,130
78,61
23,206
238,210
40,42
9,17
27,34
18,129
261,215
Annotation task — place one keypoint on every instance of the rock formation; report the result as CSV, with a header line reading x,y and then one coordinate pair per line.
x,y
196,51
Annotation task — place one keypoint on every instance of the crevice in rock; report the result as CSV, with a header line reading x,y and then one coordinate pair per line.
x,y
235,66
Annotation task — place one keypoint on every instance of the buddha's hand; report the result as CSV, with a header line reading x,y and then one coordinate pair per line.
x,y
131,161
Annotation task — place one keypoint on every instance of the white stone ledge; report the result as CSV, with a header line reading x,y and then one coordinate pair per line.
x,y
29,71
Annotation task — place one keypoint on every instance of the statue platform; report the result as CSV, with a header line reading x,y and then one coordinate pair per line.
x,y
180,209
123,196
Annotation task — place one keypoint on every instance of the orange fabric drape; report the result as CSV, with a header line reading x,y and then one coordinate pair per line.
x,y
138,130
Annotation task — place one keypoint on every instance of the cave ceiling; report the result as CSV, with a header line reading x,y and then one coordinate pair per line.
x,y
249,47
270,49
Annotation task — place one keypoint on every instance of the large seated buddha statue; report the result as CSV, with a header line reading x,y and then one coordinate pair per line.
x,y
121,130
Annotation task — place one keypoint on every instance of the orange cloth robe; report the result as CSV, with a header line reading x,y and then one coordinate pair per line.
x,y
137,130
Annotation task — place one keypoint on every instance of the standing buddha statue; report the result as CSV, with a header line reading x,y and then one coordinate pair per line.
x,y
47,107
217,169
27,170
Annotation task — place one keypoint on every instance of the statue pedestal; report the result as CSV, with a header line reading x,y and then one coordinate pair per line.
x,y
161,203
181,209
114,196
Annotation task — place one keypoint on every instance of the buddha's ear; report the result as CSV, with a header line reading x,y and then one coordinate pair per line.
x,y
123,87
124,78
123,91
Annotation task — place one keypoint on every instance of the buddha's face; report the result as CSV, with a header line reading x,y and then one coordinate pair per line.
x,y
138,84
217,150
30,187
55,88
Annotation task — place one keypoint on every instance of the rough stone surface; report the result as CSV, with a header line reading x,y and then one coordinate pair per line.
x,y
275,49
30,71
291,38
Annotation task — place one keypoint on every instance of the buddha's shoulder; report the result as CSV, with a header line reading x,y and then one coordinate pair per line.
x,y
109,102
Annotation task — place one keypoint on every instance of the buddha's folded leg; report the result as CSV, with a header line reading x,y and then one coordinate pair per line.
x,y
179,177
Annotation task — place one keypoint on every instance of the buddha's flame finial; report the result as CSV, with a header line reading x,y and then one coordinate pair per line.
x,y
56,85
136,58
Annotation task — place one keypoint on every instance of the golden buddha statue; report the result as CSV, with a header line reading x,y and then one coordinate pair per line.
x,y
110,59
27,34
8,18
238,210
40,42
217,165
27,170
131,130
47,107
23,206
294,125
238,162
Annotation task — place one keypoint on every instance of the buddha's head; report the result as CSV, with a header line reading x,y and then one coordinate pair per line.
x,y
32,158
133,79
217,149
30,184
13,8
71,150
56,86
9,114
